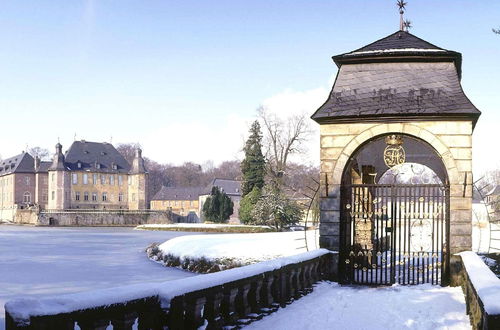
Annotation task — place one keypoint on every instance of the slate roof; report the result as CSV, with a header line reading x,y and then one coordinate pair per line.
x,y
178,193
96,157
229,186
400,44
44,166
398,76
22,163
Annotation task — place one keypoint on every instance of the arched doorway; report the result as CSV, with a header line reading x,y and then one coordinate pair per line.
x,y
394,224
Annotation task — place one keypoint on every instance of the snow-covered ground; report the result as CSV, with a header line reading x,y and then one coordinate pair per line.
x,y
37,261
331,306
194,225
241,248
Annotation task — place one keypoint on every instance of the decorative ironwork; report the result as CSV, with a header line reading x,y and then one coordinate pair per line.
x,y
394,154
402,239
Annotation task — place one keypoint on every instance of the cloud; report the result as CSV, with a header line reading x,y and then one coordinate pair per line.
x,y
201,141
197,141
290,103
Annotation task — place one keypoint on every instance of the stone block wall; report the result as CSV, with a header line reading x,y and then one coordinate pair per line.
x,y
102,218
451,139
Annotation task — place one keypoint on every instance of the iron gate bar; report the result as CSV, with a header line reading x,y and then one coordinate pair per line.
x,y
378,223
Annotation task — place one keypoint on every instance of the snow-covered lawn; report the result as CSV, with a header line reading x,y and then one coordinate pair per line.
x,y
38,261
241,249
331,306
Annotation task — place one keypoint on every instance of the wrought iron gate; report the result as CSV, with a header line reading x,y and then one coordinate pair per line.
x,y
394,234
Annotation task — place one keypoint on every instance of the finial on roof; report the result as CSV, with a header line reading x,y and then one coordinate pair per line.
x,y
407,25
402,6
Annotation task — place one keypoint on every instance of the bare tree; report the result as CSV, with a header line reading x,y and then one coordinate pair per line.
x,y
282,138
42,153
127,150
497,31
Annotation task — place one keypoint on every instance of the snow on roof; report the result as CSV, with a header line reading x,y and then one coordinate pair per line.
x,y
395,50
486,284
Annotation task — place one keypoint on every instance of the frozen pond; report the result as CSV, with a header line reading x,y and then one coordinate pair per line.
x,y
40,261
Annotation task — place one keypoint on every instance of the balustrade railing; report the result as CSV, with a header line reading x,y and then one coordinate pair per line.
x,y
229,298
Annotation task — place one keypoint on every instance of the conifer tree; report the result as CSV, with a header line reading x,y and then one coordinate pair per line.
x,y
253,167
218,207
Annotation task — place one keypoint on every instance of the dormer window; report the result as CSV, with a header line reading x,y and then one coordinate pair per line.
x,y
114,166
79,165
97,165
103,153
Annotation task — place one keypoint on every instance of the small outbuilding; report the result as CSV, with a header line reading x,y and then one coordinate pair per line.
x,y
396,162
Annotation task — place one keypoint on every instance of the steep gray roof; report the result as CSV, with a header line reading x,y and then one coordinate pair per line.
x,y
178,193
44,166
229,186
399,76
95,156
22,163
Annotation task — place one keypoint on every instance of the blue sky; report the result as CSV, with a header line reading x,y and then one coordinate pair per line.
x,y
174,75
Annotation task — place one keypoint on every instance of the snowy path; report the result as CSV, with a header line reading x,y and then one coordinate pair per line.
x,y
41,261
331,306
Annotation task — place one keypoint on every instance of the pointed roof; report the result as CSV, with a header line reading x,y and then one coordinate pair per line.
x,y
402,45
22,163
399,77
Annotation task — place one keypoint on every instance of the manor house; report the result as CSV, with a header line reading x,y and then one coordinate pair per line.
x,y
89,175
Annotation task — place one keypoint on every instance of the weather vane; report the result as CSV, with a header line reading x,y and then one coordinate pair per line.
x,y
402,6
407,25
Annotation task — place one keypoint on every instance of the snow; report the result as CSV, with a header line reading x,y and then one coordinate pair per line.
x,y
22,309
41,261
349,307
194,225
397,50
243,248
486,284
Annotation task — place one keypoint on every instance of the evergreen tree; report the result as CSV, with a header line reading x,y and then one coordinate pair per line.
x,y
247,204
218,207
253,167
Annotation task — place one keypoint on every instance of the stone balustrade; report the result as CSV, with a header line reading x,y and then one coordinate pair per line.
x,y
213,304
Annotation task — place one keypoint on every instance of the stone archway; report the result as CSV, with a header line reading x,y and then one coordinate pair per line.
x,y
394,213
452,140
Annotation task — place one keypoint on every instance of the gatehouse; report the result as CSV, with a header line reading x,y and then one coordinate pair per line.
x,y
396,163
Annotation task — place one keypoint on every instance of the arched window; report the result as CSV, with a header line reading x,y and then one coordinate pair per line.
x,y
27,197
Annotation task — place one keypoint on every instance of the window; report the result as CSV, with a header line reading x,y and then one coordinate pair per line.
x,y
104,196
77,196
53,177
86,196
94,178
129,180
94,197
53,195
27,180
112,180
27,197
85,178
120,180
103,179
75,178
79,165
133,197
191,203
120,197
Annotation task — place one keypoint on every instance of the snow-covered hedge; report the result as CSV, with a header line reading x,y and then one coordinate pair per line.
x,y
482,290
21,311
207,228
212,253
